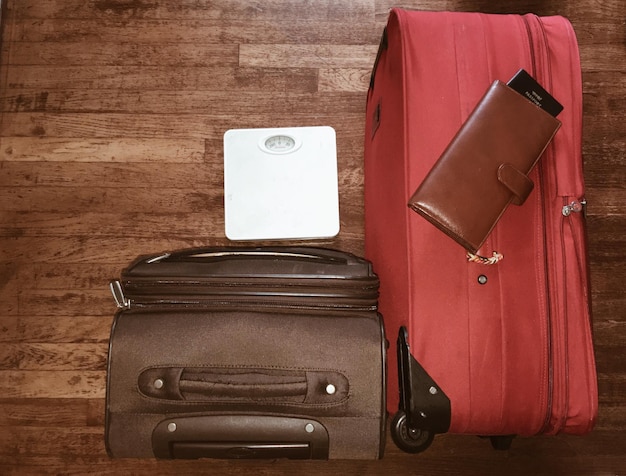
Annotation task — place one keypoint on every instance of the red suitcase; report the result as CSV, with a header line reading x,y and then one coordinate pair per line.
x,y
488,350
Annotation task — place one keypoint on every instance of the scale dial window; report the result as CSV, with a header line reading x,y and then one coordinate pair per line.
x,y
280,144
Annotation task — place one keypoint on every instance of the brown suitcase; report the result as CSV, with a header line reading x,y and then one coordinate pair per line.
x,y
247,353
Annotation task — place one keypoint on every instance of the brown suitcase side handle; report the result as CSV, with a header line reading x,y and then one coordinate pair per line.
x,y
240,437
244,385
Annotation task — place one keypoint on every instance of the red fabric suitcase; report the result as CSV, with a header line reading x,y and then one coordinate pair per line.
x,y
486,350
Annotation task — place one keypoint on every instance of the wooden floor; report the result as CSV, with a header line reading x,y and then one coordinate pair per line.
x,y
112,116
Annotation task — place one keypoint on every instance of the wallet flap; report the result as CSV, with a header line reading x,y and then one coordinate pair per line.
x,y
517,182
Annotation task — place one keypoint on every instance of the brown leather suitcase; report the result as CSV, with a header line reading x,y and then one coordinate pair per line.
x,y
247,353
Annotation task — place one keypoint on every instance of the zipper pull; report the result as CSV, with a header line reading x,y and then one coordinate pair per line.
x,y
576,206
118,295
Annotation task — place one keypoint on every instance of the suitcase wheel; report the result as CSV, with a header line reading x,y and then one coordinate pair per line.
x,y
410,440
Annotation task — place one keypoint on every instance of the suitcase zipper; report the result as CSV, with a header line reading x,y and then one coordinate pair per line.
x,y
549,331
557,325
576,206
118,295
366,288
204,279
250,300
549,320
251,305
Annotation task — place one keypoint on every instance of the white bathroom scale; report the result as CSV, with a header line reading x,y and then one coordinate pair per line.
x,y
281,183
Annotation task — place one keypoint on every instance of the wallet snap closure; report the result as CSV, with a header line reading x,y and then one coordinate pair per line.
x,y
517,182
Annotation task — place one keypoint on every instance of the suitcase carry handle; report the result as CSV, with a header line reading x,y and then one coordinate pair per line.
x,y
249,385
266,253
277,261
240,437
382,46
256,386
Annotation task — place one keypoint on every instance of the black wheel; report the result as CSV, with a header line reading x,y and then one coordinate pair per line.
x,y
410,440
501,443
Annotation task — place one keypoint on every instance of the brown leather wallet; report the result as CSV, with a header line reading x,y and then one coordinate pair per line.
x,y
485,167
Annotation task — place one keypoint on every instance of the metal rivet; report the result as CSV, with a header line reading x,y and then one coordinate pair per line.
x,y
330,389
432,390
482,279
158,383
423,415
171,427
309,428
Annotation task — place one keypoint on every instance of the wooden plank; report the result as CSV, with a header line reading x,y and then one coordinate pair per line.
x,y
84,249
601,57
610,418
39,276
605,238
9,324
267,80
306,56
191,211
44,149
178,102
55,224
609,356
80,412
605,284
8,294
67,222
107,53
611,388
349,80
75,302
602,92
588,12
607,173
194,126
225,10
101,201
52,384
172,207
116,176
520,465
609,128
602,99
607,202
93,325
87,249
301,30
43,440
46,445
53,356
609,311
607,277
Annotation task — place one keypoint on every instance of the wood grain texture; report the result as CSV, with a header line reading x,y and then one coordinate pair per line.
x,y
112,114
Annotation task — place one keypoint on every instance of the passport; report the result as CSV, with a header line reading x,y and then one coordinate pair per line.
x,y
528,87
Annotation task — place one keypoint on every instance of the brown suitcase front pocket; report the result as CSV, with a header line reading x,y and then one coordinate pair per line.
x,y
238,385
